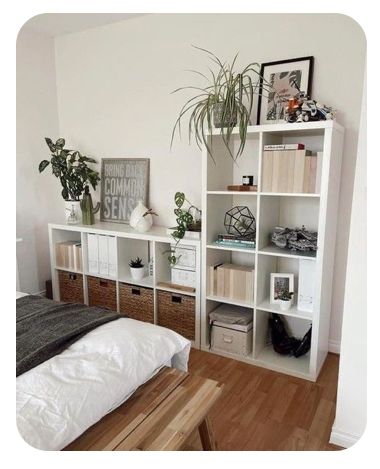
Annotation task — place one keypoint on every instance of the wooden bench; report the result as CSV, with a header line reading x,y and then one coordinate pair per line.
x,y
159,416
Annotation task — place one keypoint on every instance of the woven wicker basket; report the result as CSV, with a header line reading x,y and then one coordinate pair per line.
x,y
136,302
177,312
70,287
102,292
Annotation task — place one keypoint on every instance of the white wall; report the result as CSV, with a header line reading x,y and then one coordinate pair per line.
x,y
37,200
351,407
114,85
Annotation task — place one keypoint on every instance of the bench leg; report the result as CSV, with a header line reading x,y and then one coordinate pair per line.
x,y
205,433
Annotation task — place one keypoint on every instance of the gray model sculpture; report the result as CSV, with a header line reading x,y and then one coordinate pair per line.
x,y
295,239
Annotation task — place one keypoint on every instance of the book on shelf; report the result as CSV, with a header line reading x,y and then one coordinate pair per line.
x,y
231,237
235,244
290,171
69,255
242,188
285,146
212,279
102,254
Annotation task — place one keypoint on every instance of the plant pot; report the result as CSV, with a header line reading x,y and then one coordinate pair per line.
x,y
285,305
137,272
217,114
72,212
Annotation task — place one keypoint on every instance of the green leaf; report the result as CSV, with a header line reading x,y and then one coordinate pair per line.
x,y
50,144
179,199
60,143
65,193
43,165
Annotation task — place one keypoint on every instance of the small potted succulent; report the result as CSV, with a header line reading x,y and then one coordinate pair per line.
x,y
137,268
285,297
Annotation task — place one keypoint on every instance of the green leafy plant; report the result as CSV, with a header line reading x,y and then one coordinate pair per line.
x,y
71,168
285,295
228,94
136,263
188,219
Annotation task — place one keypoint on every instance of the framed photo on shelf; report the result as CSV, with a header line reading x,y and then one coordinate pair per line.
x,y
278,83
278,282
124,181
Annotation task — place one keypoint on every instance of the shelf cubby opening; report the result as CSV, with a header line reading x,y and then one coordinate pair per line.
x,y
128,249
290,212
63,236
303,271
225,171
264,353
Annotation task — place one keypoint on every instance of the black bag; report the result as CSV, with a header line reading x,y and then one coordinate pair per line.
x,y
282,343
304,345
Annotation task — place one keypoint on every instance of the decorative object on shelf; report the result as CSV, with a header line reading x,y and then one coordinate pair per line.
x,y
242,188
285,297
187,220
124,182
240,221
247,180
278,283
295,239
141,218
228,240
88,210
137,268
226,101
70,166
282,76
301,108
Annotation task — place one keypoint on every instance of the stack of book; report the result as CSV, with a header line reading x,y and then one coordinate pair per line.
x,y
230,281
290,168
102,255
68,254
228,240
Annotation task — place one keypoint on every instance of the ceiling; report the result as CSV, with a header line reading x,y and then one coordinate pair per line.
x,y
57,24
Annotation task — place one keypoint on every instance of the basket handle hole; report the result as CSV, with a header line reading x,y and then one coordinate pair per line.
x,y
136,291
176,299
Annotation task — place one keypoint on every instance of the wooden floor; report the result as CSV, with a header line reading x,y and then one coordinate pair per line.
x,y
262,410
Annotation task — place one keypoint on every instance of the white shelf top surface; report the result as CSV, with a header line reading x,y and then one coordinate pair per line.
x,y
284,363
279,252
231,301
293,311
156,233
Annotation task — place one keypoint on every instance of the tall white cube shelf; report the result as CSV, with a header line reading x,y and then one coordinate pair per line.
x,y
317,211
152,245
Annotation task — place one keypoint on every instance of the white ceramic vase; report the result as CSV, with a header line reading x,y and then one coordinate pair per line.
x,y
72,212
137,272
138,221
285,305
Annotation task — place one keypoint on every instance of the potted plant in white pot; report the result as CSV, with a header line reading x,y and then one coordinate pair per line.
x,y
285,297
137,268
74,174
224,102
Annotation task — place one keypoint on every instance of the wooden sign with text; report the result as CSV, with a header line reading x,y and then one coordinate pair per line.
x,y
124,182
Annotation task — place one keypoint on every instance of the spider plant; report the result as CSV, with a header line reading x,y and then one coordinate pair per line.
x,y
228,95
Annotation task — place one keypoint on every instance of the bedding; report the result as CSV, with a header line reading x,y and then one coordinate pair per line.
x,y
45,328
66,394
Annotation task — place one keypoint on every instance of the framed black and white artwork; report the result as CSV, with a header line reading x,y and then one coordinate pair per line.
x,y
278,282
279,82
124,181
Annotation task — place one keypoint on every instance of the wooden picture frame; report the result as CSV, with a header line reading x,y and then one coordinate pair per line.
x,y
279,281
124,181
281,75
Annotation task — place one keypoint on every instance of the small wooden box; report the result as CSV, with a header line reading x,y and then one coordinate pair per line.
x,y
177,312
102,292
70,287
136,302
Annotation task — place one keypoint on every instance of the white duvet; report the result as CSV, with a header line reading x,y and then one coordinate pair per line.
x,y
59,399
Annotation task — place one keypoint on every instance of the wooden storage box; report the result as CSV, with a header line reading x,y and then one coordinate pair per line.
x,y
70,287
232,338
177,312
136,302
102,292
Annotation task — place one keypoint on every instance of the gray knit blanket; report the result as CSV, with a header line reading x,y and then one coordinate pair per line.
x,y
45,328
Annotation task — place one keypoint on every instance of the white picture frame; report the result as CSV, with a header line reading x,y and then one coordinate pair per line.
x,y
279,281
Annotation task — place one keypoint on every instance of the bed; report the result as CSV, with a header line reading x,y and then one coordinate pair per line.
x,y
63,396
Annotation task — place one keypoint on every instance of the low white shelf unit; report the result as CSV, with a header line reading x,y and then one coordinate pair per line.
x,y
152,245
317,211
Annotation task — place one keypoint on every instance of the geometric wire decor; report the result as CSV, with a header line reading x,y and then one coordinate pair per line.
x,y
239,221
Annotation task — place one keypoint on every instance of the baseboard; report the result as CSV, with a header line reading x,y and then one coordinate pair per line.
x,y
346,440
334,346
40,293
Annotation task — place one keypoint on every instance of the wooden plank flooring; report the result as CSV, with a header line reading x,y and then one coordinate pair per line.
x,y
261,410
